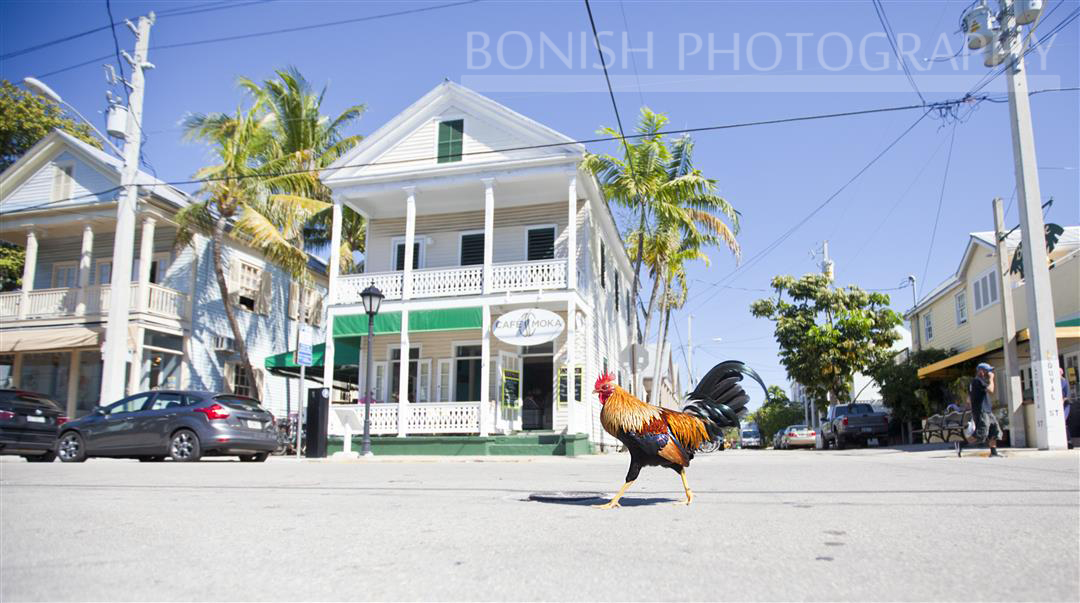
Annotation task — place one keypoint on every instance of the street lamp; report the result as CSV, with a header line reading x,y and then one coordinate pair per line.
x,y
372,299
39,88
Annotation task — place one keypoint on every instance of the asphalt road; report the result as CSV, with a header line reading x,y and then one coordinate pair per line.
x,y
766,525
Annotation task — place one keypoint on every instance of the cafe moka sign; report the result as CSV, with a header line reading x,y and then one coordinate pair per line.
x,y
528,326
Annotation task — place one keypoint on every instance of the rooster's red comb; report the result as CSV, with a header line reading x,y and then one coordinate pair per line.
x,y
603,379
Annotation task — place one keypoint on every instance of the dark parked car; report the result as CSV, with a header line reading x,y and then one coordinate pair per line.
x,y
28,425
182,425
854,423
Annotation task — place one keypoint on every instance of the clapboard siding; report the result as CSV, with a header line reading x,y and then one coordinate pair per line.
x,y
440,234
38,188
54,250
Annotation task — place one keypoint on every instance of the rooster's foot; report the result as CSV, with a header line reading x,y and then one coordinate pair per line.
x,y
608,505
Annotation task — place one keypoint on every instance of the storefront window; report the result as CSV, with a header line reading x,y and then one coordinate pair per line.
x,y
467,383
46,374
7,370
89,392
161,360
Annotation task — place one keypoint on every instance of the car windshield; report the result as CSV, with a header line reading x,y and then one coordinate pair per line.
x,y
859,409
239,403
749,434
797,427
29,400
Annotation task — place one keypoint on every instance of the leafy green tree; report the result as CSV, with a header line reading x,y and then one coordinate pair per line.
x,y
903,392
827,335
26,118
12,258
776,413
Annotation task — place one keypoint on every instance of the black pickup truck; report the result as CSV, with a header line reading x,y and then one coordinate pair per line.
x,y
850,423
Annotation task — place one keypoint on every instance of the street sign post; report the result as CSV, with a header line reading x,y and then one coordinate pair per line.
x,y
303,359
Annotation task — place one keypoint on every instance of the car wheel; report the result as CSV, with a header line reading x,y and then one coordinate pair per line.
x,y
151,459
840,443
48,457
71,448
184,447
254,458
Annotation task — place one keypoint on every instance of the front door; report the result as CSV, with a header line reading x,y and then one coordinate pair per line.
x,y
537,385
117,431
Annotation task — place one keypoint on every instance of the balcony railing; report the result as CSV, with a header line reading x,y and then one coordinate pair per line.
x,y
428,418
64,302
459,280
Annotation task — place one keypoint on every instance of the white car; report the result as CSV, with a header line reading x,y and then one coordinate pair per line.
x,y
798,435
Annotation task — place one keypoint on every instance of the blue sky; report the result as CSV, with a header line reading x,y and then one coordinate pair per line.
x,y
879,228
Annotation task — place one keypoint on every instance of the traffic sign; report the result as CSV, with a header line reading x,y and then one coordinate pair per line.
x,y
303,349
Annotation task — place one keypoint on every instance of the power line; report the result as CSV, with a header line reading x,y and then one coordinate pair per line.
x,y
879,8
165,14
633,60
272,32
941,200
783,237
116,48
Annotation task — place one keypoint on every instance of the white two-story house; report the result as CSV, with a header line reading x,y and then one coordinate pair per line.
x,y
475,211
59,202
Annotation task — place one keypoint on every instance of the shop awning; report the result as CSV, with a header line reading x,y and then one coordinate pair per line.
x,y
1061,332
346,353
33,340
449,319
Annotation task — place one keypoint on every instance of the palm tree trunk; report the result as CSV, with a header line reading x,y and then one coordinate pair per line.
x,y
661,343
652,306
218,236
633,300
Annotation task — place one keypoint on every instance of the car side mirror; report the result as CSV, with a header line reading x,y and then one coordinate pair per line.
x,y
99,412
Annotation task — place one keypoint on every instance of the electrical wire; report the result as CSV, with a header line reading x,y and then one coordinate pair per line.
x,y
879,8
941,200
116,48
633,61
165,14
787,234
272,32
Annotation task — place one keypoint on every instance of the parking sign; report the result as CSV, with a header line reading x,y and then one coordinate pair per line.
x,y
303,350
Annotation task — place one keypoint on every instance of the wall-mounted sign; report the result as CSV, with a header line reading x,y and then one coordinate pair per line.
x,y
511,388
528,326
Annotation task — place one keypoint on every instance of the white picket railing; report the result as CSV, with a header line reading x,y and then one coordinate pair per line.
x,y
459,280
428,418
62,302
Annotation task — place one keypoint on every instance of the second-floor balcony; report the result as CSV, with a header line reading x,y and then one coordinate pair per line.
x,y
64,302
540,275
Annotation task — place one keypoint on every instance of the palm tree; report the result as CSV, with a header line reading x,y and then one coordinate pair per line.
x,y
240,202
311,141
668,195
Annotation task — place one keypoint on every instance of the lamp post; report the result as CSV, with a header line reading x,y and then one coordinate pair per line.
x,y
39,88
372,299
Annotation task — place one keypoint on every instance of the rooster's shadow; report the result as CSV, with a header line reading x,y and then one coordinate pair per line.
x,y
626,501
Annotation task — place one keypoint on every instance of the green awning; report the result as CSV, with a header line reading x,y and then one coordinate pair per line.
x,y
346,353
1072,322
450,319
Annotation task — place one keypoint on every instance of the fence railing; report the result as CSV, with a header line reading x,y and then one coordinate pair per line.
x,y
458,280
63,302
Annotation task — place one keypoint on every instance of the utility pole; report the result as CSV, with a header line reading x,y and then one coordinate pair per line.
x,y
1049,412
116,331
690,350
915,341
1010,393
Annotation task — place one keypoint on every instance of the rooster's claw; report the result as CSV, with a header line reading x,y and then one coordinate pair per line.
x,y
609,505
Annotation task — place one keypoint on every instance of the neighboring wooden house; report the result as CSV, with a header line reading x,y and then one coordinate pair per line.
x,y
963,314
462,231
59,201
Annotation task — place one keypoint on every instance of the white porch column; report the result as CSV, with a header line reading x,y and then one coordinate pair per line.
x,y
333,271
571,235
410,241
485,370
146,258
403,376
571,361
29,269
86,260
489,230
73,383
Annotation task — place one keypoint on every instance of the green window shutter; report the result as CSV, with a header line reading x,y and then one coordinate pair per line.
x,y
450,136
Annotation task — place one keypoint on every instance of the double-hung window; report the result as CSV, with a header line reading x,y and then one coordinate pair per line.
x,y
541,244
986,290
961,307
928,325
399,254
603,266
467,372
63,179
65,274
450,140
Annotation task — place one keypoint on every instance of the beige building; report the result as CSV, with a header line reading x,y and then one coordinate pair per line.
x,y
963,314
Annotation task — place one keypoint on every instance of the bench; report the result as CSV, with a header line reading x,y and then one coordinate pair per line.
x,y
948,427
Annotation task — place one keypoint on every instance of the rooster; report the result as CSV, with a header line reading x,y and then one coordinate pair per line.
x,y
667,438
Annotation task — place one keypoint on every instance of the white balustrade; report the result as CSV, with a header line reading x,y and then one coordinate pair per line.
x,y
51,302
528,276
458,280
424,418
9,304
166,302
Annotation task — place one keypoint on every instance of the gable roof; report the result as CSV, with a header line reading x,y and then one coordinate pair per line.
x,y
58,140
448,95
1068,242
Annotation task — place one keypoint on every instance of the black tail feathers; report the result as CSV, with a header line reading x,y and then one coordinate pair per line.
x,y
719,399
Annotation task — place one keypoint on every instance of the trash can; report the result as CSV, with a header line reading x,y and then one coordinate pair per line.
x,y
318,410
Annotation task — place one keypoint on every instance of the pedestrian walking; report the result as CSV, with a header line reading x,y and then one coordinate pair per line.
x,y
987,430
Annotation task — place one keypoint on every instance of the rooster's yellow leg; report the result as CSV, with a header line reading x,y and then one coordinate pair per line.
x,y
686,486
614,502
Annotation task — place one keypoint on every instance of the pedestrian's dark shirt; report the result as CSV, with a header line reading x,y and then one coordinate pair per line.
x,y
980,401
